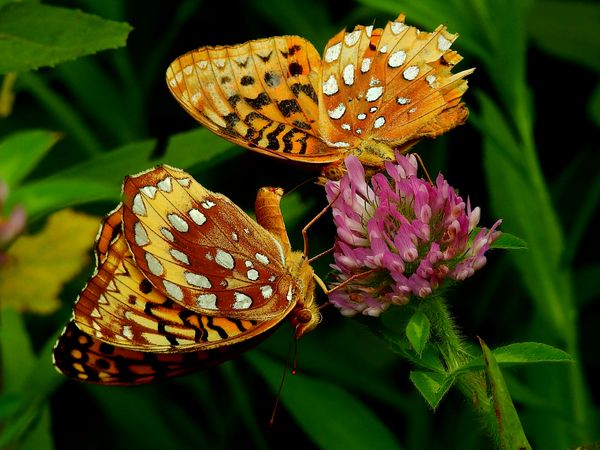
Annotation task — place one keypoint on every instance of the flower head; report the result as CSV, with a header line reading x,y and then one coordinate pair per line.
x,y
399,236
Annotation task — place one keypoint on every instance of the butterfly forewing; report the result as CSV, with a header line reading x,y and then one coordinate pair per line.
x,y
260,94
80,356
201,250
389,84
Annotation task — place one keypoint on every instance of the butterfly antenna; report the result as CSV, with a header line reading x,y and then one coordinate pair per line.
x,y
282,382
422,164
349,279
295,360
299,185
312,222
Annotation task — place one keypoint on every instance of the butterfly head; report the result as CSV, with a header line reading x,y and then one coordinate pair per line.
x,y
305,316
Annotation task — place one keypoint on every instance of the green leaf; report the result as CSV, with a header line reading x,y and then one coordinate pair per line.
x,y
98,93
520,196
33,35
417,331
100,177
13,335
44,196
39,437
241,390
522,353
567,30
313,403
20,152
110,167
432,385
528,352
21,373
13,366
37,383
62,111
507,241
10,403
159,430
510,430
39,265
197,147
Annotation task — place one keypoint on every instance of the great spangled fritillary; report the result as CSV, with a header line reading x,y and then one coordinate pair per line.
x,y
184,280
375,90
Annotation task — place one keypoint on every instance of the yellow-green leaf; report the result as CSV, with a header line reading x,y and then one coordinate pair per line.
x,y
510,429
38,265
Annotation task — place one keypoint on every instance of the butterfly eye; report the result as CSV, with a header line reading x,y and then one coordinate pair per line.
x,y
304,316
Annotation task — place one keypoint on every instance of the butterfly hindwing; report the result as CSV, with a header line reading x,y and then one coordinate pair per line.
x,y
82,357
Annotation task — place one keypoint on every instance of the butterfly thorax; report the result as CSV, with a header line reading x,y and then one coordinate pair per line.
x,y
373,153
305,315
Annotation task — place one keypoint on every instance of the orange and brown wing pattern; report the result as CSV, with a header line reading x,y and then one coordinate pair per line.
x,y
260,95
375,91
392,85
120,306
82,357
170,242
201,250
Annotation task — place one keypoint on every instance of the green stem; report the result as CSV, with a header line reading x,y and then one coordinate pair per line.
x,y
7,96
454,355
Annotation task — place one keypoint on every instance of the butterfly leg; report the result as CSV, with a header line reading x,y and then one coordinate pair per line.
x,y
311,223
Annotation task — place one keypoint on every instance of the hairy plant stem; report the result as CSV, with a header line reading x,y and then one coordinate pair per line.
x,y
454,355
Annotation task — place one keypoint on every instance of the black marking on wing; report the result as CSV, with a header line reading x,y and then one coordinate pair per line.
x,y
247,80
295,69
220,331
261,100
307,89
288,107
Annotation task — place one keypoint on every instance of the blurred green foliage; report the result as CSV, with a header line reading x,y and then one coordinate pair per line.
x,y
529,155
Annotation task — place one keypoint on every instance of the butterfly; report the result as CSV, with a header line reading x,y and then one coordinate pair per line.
x,y
374,90
184,280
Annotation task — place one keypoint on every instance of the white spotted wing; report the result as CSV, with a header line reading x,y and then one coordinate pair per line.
x,y
392,85
201,250
373,91
119,306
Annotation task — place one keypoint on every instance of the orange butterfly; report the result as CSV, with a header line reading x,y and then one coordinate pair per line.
x,y
184,280
375,90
